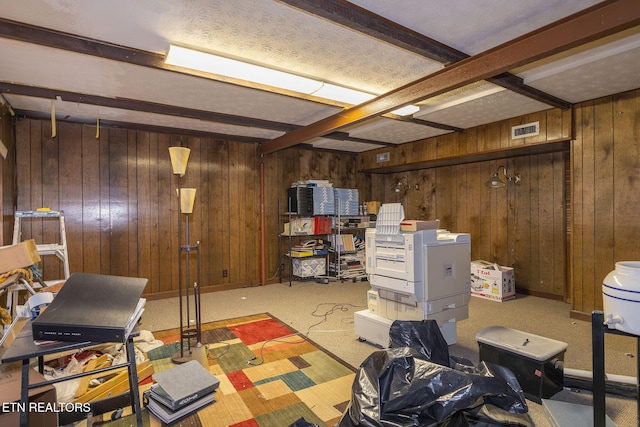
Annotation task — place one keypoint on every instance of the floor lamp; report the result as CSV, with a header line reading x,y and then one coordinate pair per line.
x,y
186,197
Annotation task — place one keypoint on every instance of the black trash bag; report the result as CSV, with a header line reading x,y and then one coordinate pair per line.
x,y
421,335
464,365
301,422
398,387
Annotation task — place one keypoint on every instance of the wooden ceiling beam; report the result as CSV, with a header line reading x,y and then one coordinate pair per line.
x,y
71,42
429,123
375,26
598,21
344,136
349,15
139,127
170,110
143,106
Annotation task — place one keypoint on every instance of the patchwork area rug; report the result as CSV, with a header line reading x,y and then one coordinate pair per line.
x,y
270,376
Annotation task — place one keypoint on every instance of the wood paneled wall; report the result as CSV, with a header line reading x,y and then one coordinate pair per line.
x,y
521,226
118,195
122,219
7,175
606,193
474,144
524,226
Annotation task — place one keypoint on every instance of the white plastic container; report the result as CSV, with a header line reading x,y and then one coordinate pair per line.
x,y
621,297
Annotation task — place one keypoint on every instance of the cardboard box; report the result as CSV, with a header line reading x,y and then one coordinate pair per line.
x,y
491,281
299,226
42,399
416,225
20,255
373,207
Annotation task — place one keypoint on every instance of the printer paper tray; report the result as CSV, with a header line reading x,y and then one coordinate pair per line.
x,y
393,284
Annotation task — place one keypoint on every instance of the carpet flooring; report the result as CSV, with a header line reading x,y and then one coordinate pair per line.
x,y
305,304
270,375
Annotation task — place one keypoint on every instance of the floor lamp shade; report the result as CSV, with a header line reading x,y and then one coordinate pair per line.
x,y
179,158
187,198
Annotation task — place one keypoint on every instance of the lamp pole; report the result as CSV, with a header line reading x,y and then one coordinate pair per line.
x,y
186,198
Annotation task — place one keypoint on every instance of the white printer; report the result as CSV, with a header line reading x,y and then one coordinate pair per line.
x,y
414,276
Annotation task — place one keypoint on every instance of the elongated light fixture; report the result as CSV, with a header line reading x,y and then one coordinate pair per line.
x,y
215,64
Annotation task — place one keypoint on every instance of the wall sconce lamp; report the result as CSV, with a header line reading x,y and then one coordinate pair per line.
x,y
496,182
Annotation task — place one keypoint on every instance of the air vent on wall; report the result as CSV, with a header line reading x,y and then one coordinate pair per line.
x,y
522,131
382,157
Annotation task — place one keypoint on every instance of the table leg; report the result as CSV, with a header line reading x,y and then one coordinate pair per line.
x,y
24,394
133,381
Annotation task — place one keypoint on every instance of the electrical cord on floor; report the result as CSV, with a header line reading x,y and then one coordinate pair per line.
x,y
275,274
216,357
335,307
342,307
207,349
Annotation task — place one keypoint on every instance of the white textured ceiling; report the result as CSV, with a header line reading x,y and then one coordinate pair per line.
x,y
275,34
605,69
473,27
392,131
476,105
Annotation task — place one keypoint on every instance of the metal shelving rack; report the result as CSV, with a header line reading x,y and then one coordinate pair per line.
x,y
290,236
338,253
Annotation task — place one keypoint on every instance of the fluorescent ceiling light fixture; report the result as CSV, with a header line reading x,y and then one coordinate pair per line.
x,y
215,64
406,110
462,98
211,63
342,94
355,97
582,59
